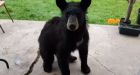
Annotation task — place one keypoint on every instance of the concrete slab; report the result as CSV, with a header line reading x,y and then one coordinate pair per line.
x,y
109,52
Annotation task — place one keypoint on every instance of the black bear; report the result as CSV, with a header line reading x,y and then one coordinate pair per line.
x,y
62,35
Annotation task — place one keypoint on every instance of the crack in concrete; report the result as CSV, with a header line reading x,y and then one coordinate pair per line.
x,y
104,66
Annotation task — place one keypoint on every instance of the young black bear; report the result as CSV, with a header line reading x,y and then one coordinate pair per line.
x,y
62,35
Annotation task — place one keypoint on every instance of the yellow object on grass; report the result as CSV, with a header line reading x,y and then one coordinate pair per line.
x,y
113,21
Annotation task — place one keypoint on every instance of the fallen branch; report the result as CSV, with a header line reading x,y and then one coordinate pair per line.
x,y
32,65
7,65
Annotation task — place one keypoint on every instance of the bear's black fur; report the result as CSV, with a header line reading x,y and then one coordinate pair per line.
x,y
56,39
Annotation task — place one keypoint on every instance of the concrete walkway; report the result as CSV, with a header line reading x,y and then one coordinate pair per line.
x,y
109,52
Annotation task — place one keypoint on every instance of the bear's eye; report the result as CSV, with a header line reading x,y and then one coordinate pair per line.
x,y
79,15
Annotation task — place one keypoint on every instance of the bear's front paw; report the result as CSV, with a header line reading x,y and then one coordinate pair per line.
x,y
47,68
85,69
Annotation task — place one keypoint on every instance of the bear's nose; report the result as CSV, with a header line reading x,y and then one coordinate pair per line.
x,y
72,27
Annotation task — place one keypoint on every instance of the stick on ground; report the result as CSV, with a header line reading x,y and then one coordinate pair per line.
x,y
32,65
7,65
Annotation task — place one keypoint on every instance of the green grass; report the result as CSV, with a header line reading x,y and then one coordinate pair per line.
x,y
99,11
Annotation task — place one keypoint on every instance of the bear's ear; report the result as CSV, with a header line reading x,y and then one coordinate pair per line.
x,y
85,4
61,4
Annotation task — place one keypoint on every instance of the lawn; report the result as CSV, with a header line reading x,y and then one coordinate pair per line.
x,y
99,11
